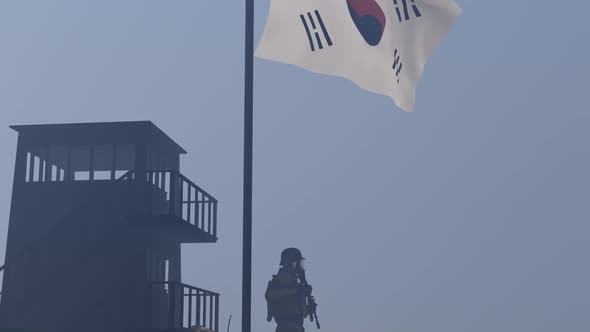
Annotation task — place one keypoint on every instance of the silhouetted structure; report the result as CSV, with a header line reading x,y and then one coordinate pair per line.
x,y
98,214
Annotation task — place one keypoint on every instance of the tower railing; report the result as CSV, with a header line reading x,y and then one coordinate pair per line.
x,y
175,195
176,305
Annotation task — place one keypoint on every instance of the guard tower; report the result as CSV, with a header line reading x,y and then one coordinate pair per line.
x,y
98,214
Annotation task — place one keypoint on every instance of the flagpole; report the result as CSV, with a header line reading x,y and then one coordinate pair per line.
x,y
248,142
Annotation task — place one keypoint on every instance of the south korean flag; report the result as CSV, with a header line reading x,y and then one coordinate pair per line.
x,y
381,45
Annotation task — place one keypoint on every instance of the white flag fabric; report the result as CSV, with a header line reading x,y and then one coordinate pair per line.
x,y
381,45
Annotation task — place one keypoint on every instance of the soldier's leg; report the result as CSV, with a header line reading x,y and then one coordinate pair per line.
x,y
290,328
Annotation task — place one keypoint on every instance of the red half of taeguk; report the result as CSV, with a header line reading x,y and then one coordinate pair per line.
x,y
368,18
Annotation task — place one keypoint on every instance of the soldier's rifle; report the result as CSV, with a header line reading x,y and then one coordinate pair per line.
x,y
311,304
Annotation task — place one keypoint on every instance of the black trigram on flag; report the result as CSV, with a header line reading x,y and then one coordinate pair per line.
x,y
405,10
397,64
311,26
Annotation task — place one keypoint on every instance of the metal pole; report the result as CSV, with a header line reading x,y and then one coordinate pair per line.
x,y
248,138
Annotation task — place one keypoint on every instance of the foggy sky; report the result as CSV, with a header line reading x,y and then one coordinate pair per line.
x,y
469,214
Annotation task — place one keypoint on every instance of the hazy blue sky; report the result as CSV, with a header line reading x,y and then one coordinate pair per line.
x,y
470,214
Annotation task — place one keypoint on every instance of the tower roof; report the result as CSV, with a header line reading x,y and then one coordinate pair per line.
x,y
96,133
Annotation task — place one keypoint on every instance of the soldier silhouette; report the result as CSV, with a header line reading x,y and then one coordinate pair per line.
x,y
288,296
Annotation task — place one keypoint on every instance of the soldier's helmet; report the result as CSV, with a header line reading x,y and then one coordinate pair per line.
x,y
290,255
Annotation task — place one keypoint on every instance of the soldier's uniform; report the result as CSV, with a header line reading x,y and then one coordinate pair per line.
x,y
286,304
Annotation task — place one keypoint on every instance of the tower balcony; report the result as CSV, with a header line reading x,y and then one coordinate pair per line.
x,y
176,306
178,206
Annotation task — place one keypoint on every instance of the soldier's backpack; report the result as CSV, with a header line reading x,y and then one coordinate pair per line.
x,y
269,305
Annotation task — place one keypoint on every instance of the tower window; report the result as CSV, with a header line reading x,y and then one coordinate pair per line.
x,y
124,159
103,162
80,163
